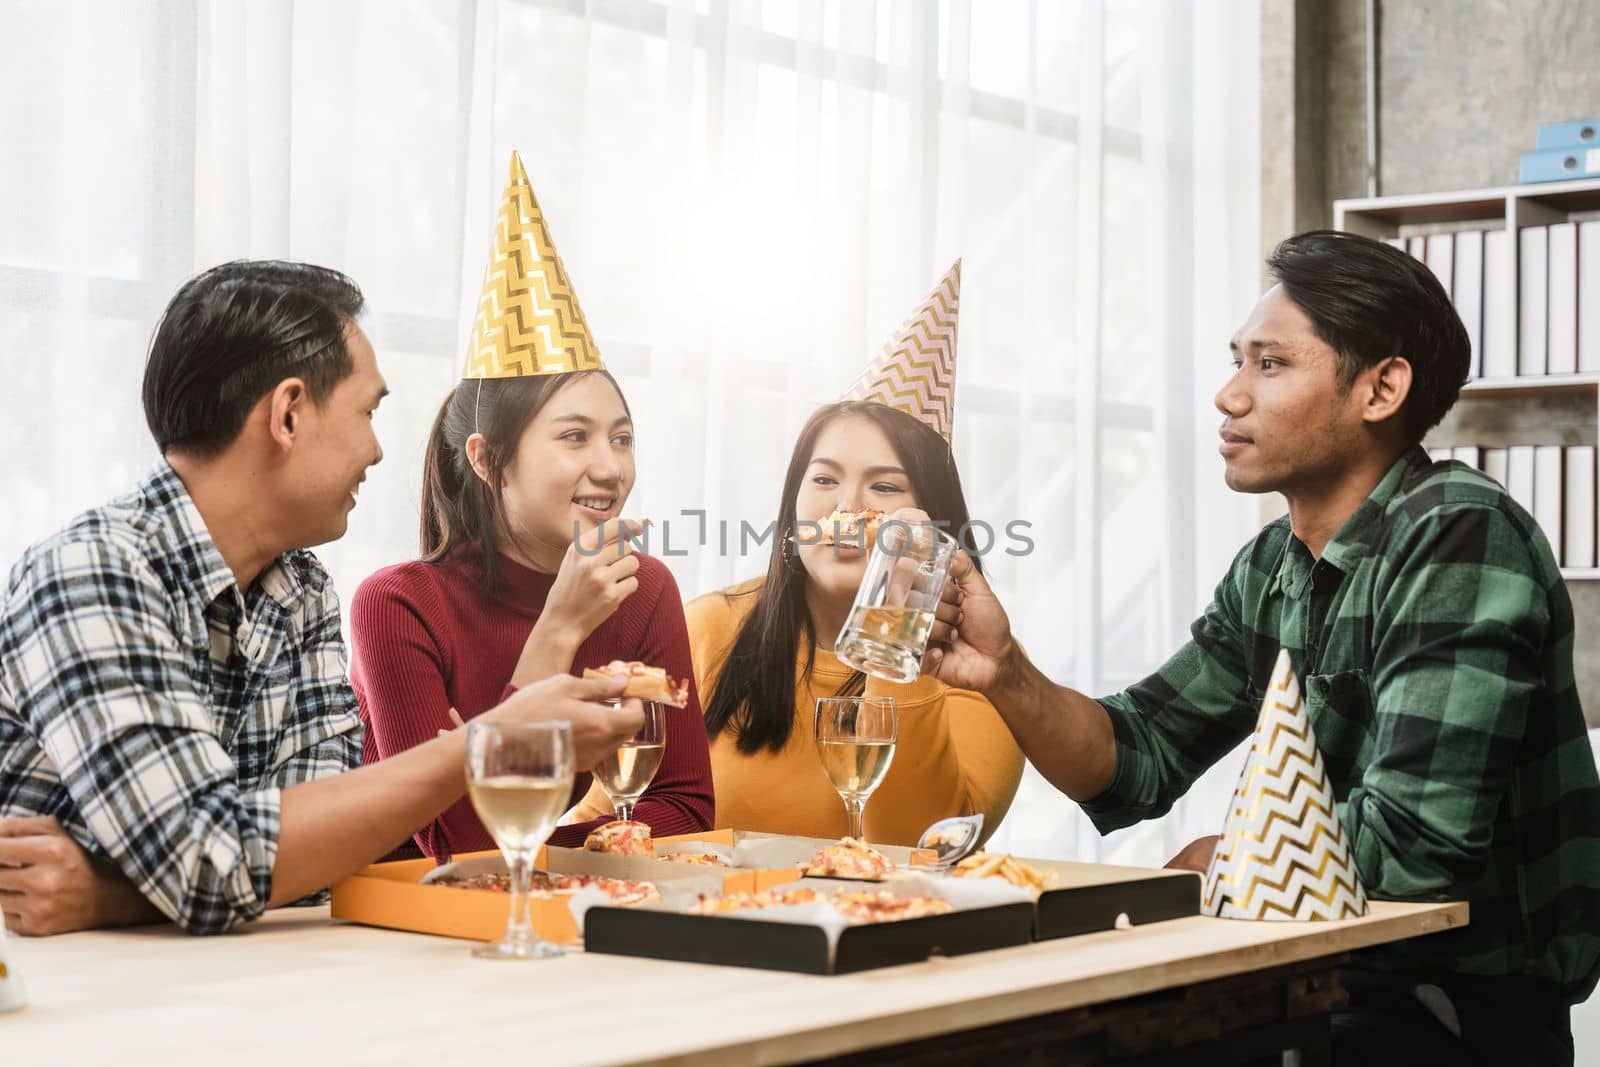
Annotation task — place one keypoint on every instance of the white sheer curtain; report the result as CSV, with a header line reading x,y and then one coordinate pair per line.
x,y
749,195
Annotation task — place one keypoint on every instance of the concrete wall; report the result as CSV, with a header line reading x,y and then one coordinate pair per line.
x,y
1463,85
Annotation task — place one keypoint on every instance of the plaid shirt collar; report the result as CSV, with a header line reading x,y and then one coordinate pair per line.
x,y
1355,538
188,541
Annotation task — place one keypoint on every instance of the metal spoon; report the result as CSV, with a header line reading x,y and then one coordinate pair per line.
x,y
951,840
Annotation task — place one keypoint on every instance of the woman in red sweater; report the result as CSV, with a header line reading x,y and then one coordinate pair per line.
x,y
502,597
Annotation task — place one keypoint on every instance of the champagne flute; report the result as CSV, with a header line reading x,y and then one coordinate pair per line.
x,y
520,778
855,740
626,773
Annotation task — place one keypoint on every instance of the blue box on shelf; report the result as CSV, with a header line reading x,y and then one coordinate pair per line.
x,y
1559,164
1578,132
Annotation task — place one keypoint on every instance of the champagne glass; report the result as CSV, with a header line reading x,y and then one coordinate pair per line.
x,y
626,773
520,778
855,739
887,630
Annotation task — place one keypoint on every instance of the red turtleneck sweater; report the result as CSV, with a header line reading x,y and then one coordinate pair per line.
x,y
427,637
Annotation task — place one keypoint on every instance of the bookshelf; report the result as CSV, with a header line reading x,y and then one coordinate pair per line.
x,y
1517,277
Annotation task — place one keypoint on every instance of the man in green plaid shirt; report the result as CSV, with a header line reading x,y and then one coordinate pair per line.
x,y
1427,619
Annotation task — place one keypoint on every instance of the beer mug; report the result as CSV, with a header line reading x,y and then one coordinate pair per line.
x,y
887,630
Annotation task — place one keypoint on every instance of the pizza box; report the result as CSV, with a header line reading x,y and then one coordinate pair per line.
x,y
1090,897
780,854
804,939
393,895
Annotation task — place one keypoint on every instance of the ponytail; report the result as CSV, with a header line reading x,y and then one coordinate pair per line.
x,y
442,485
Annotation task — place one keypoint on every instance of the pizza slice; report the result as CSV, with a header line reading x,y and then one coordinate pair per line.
x,y
850,858
644,682
545,884
855,526
619,891
708,859
880,905
621,839
772,898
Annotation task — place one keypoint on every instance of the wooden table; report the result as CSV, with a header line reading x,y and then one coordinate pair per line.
x,y
297,990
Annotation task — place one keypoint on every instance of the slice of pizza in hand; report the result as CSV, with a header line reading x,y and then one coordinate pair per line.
x,y
621,839
844,526
850,858
644,682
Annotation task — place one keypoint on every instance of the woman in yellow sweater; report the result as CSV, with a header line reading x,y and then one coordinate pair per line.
x,y
763,649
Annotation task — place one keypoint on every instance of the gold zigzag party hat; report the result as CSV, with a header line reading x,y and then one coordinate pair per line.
x,y
528,322
1283,853
916,371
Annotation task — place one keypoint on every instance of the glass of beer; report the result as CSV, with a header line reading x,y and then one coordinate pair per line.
x,y
888,626
855,740
520,778
628,772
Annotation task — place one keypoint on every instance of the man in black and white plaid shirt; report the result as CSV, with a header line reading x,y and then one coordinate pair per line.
x,y
177,734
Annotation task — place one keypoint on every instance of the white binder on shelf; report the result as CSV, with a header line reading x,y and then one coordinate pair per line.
x,y
1468,292
1532,299
1468,454
1579,547
1418,247
1494,464
1562,331
1499,305
1548,507
1440,253
1589,297
1519,475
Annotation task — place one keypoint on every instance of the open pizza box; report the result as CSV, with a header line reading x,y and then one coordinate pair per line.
x,y
1087,898
776,857
395,895
813,938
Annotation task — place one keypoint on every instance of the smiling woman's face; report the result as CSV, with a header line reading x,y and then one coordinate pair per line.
x,y
853,465
574,465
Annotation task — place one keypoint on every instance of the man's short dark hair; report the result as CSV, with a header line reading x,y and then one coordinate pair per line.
x,y
1369,301
231,334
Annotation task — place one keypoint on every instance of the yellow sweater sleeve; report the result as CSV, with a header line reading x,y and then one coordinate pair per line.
x,y
954,756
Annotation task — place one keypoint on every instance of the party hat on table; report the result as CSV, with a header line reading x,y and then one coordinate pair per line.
x,y
528,322
1283,853
916,371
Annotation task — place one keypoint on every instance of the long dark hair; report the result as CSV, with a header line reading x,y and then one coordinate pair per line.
x,y
753,694
458,507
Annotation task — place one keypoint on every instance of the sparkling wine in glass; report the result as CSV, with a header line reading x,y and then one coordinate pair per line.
x,y
887,629
628,772
855,741
520,778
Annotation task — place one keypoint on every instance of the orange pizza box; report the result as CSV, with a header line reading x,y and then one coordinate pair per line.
x,y
768,859
785,853
393,895
645,869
